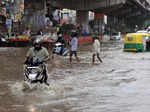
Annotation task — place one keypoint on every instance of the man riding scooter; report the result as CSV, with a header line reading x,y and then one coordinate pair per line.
x,y
59,47
37,52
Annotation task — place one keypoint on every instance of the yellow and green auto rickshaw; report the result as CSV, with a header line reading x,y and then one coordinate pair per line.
x,y
138,42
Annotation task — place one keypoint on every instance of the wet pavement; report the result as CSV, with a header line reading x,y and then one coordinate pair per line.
x,y
120,84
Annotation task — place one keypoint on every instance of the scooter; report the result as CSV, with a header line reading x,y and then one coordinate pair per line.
x,y
60,49
34,71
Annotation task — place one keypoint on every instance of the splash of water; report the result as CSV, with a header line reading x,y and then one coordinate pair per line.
x,y
22,88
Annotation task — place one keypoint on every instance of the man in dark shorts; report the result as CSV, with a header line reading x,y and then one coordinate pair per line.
x,y
74,46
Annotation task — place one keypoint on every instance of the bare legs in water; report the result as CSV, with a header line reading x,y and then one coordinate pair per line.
x,y
98,57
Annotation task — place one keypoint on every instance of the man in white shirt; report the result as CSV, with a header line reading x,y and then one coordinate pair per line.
x,y
74,46
96,49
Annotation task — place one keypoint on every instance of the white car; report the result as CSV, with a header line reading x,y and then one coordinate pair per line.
x,y
116,36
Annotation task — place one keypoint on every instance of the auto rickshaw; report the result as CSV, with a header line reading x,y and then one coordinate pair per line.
x,y
137,42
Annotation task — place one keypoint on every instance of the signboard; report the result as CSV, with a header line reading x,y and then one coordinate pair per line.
x,y
21,6
99,16
18,16
2,11
64,18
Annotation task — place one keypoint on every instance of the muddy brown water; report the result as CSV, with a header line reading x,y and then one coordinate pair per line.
x,y
120,84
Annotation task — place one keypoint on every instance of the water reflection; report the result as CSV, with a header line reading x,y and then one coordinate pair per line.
x,y
33,109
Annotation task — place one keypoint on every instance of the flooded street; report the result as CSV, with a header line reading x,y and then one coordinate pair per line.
x,y
120,84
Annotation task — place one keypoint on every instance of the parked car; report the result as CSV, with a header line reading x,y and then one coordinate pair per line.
x,y
116,36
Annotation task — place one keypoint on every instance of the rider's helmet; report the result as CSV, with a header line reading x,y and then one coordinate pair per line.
x,y
59,34
37,44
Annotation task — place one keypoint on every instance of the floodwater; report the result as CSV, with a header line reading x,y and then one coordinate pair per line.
x,y
120,84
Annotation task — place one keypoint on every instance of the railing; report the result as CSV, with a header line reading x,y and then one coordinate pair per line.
x,y
144,3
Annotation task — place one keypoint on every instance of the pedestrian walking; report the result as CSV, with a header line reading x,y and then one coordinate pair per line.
x,y
9,23
96,49
74,46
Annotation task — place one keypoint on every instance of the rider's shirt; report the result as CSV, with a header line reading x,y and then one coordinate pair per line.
x,y
41,54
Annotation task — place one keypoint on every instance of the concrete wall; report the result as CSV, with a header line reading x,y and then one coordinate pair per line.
x,y
144,3
92,4
34,16
35,20
82,17
106,3
85,4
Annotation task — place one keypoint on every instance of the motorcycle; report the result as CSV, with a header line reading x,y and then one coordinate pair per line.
x,y
34,71
60,49
3,40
